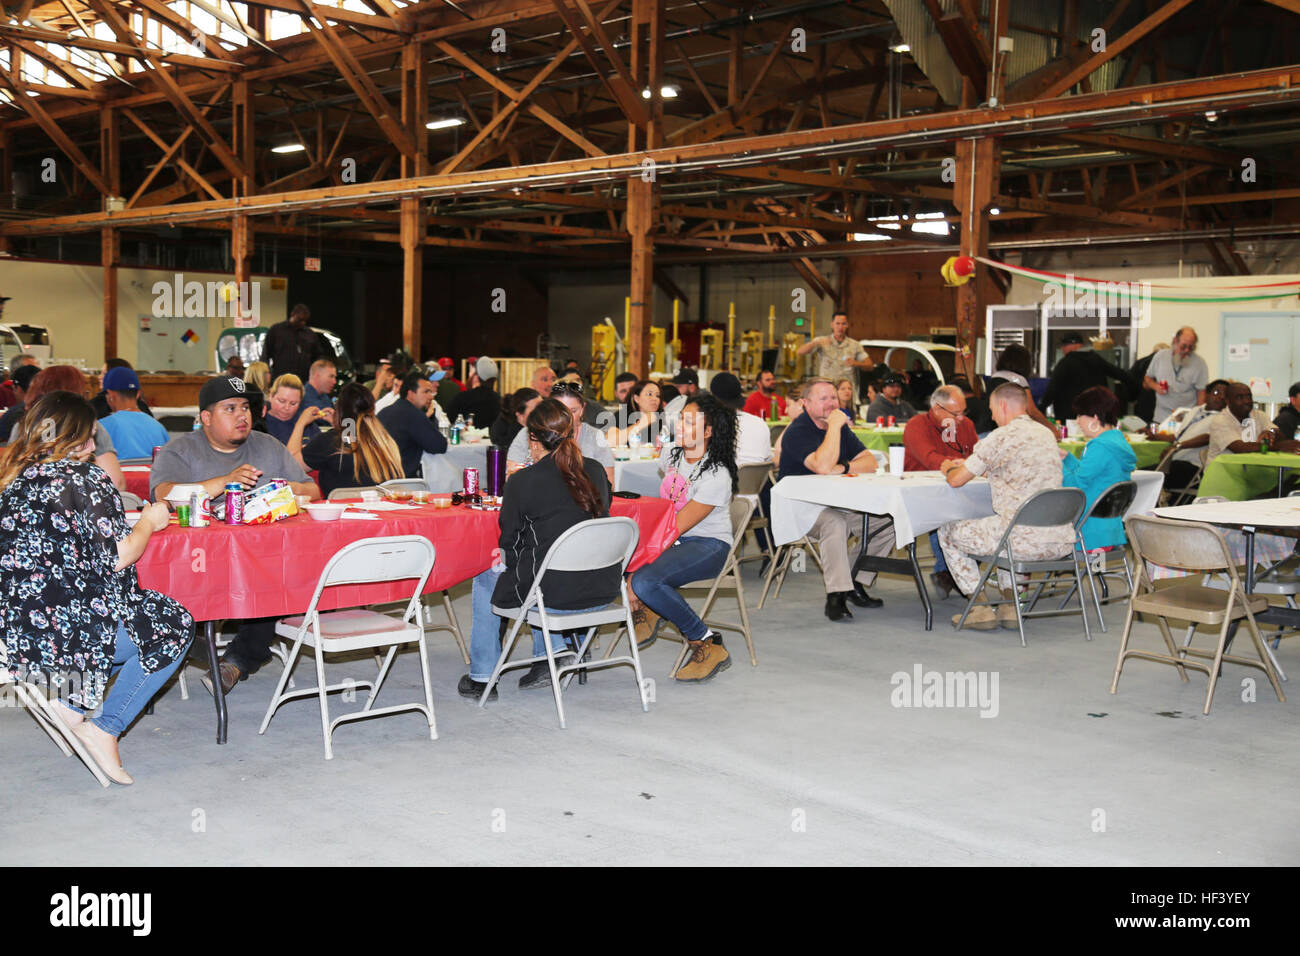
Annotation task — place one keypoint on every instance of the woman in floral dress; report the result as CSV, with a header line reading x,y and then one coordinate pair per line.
x,y
74,614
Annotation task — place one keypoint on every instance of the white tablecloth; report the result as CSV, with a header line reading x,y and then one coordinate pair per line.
x,y
446,472
640,476
918,501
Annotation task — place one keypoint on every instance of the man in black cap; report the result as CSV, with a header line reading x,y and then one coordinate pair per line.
x,y
223,450
1079,369
890,401
22,378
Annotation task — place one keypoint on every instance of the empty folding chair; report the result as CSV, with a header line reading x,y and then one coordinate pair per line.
x,y
593,545
131,502
368,561
352,493
404,484
1198,548
1114,502
750,480
1044,509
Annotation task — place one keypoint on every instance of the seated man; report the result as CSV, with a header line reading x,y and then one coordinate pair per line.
x,y
1192,434
1242,428
225,450
1019,458
134,433
1288,416
890,401
591,442
763,400
408,421
943,434
320,383
820,442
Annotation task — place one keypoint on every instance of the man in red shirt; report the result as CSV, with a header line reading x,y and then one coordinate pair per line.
x,y
759,403
943,433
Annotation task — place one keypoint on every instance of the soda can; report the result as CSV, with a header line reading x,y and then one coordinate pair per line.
x,y
471,481
156,449
892,422
880,421
200,510
183,515
279,482
234,503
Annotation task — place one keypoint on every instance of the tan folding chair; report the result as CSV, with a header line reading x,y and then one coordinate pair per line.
x,y
350,492
1195,547
750,480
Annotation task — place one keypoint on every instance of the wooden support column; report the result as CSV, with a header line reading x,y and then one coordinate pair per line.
x,y
640,220
110,255
413,230
243,136
241,253
977,182
6,181
415,108
110,150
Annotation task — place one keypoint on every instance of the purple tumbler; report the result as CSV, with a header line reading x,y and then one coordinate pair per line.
x,y
496,470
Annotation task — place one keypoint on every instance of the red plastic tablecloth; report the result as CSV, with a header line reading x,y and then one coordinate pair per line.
x,y
247,571
137,480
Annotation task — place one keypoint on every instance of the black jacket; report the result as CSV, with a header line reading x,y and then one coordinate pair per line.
x,y
1076,372
289,350
1144,401
482,402
414,434
536,509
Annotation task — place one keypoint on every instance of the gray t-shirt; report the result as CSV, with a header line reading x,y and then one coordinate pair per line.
x,y
190,458
590,441
1184,382
710,486
103,440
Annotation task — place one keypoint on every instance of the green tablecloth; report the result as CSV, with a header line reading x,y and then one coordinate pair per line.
x,y
1239,477
873,438
1148,452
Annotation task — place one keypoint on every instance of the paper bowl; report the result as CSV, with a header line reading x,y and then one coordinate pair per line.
x,y
180,494
325,511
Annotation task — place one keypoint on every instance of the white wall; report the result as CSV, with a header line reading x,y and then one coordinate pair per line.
x,y
69,299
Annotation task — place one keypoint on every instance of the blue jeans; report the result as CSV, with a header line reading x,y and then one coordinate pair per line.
x,y
690,559
940,563
484,643
133,689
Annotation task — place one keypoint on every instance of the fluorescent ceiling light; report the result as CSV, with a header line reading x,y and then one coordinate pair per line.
x,y
446,123
288,148
899,47
668,92
931,228
869,237
995,211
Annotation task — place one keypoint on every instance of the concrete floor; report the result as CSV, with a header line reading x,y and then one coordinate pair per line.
x,y
803,759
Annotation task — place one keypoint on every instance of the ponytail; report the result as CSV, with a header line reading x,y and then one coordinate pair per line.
x,y
551,424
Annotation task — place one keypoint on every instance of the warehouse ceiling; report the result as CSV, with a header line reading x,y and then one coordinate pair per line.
x,y
795,130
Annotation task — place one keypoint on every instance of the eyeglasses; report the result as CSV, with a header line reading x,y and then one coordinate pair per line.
x,y
559,388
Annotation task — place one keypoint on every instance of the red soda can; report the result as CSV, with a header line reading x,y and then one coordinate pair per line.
x,y
200,510
156,449
880,421
279,482
234,503
892,422
471,481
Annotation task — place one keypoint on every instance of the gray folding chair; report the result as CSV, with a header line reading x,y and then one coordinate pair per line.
x,y
1114,502
404,484
367,561
1048,508
131,502
592,545
750,480
349,492
1201,548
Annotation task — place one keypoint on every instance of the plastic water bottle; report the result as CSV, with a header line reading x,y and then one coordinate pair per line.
x,y
457,428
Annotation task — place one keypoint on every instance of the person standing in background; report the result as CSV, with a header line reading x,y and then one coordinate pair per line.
x,y
837,354
1177,375
291,346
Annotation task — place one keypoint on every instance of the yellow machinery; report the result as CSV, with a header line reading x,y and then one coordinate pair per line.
x,y
711,354
658,358
789,363
750,358
603,361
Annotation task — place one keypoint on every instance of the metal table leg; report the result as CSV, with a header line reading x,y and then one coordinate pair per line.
x,y
218,693
919,577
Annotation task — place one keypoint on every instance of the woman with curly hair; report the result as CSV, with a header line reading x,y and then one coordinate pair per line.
x,y
699,479
72,609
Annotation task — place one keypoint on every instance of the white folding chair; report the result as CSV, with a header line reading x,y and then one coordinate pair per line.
x,y
750,481
592,545
349,492
131,502
405,484
368,561
41,708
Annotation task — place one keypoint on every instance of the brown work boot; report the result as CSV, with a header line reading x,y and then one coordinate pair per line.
x,y
980,618
1007,612
647,627
230,676
706,658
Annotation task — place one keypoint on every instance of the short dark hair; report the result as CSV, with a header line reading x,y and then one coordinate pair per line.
x,y
1292,392
1295,389
626,377
1099,402
120,363
411,383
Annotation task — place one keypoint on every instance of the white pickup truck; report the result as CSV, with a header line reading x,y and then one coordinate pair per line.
x,y
32,339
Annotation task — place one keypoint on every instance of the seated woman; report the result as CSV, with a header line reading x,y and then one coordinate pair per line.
x,y
518,405
67,378
283,404
73,611
1107,458
844,395
541,502
258,375
699,479
358,453
1016,365
639,417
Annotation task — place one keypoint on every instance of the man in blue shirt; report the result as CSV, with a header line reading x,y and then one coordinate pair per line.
x,y
407,420
320,383
134,434
820,442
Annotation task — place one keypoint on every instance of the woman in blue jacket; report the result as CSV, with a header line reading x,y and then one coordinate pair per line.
x,y
1107,459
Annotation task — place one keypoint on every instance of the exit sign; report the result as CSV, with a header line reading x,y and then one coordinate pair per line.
x,y
311,264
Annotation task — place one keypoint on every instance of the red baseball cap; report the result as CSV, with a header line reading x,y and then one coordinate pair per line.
x,y
446,363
